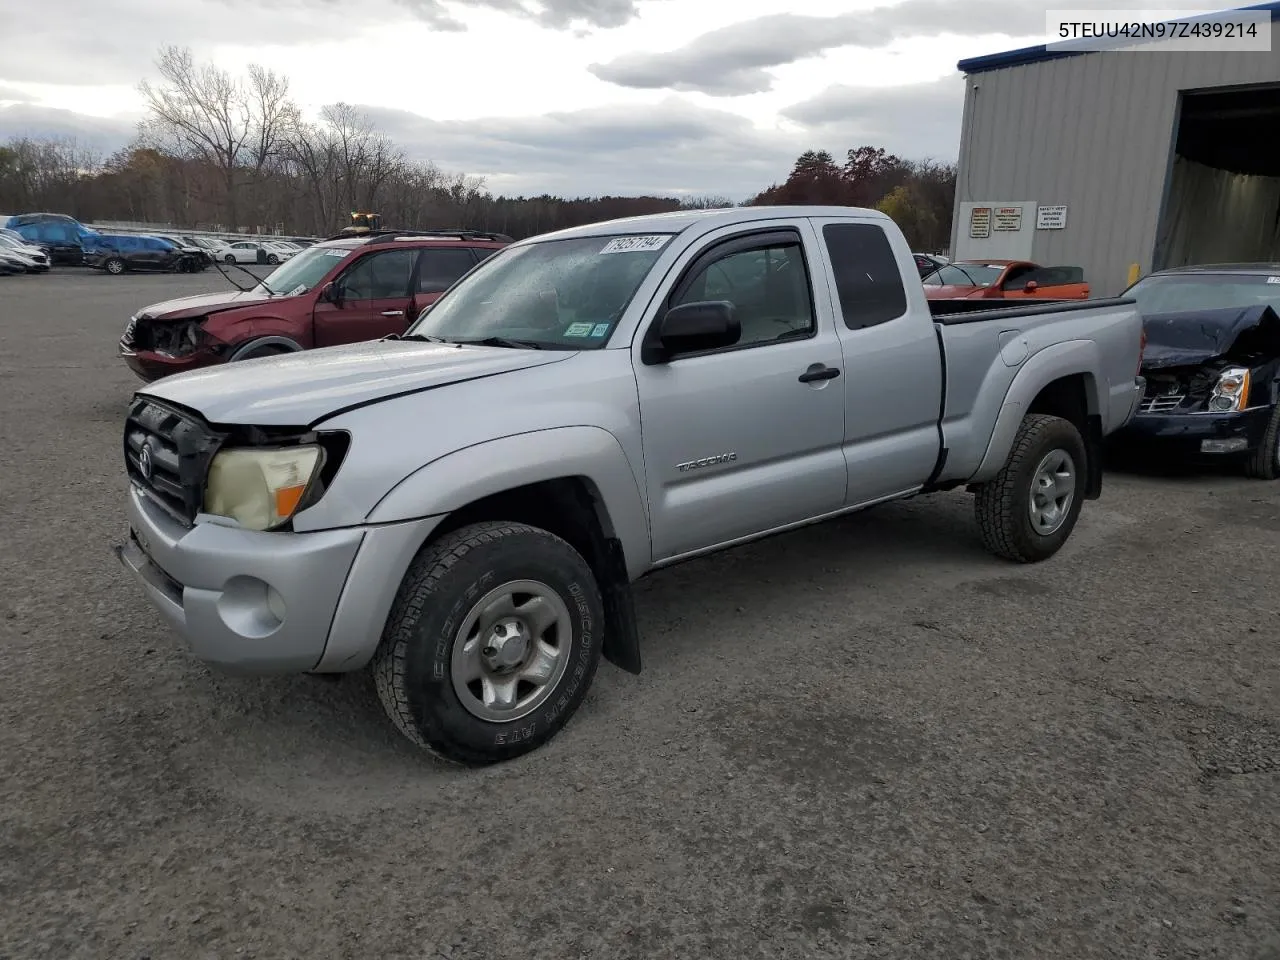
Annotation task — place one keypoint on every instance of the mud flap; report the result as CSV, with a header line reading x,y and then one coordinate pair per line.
x,y
622,631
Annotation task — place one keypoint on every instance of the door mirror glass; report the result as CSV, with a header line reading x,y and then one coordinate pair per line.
x,y
1030,287
330,293
701,325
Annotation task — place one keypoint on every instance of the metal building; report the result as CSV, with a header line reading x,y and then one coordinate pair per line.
x,y
1120,161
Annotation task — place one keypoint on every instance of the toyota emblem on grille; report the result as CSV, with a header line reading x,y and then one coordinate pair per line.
x,y
145,466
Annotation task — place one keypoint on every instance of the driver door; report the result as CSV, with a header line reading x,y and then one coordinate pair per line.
x,y
371,300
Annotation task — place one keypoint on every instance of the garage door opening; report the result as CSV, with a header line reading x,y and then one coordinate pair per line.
x,y
1223,198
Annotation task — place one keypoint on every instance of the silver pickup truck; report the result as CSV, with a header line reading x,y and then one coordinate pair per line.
x,y
462,508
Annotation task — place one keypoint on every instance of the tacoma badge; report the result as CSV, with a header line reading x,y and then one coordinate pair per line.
x,y
706,462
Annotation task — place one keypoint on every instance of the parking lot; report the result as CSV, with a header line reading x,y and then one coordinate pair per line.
x,y
864,739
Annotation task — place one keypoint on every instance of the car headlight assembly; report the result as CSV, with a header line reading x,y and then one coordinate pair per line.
x,y
1231,392
261,488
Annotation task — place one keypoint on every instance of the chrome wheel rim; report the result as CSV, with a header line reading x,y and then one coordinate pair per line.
x,y
511,651
1053,489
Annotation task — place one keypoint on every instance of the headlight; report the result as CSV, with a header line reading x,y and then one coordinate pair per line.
x,y
1231,392
261,487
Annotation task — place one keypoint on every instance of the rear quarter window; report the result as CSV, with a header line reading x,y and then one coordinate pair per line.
x,y
868,278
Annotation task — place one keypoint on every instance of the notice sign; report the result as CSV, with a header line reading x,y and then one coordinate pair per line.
x,y
1051,218
980,223
1008,218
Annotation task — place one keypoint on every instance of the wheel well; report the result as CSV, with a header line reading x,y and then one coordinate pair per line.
x,y
1073,399
572,509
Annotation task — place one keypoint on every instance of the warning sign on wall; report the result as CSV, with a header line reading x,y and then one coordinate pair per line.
x,y
980,223
1008,218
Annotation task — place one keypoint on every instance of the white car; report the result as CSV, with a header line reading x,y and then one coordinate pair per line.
x,y
33,259
253,251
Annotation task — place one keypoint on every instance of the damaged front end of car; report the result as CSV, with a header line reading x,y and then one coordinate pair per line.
x,y
1211,381
155,348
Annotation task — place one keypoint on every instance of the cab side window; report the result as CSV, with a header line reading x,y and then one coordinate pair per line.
x,y
768,287
380,276
868,278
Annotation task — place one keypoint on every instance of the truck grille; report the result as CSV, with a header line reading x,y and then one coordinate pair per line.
x,y
126,340
167,454
1163,403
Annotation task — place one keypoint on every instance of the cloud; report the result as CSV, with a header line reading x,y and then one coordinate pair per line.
x,y
554,14
916,121
733,60
101,134
17,96
664,148
90,42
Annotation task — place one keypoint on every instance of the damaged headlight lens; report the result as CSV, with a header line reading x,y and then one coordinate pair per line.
x,y
261,487
1231,392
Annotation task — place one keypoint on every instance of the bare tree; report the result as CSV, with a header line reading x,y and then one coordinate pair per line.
x,y
200,112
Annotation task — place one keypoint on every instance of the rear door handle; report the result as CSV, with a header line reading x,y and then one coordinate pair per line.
x,y
393,313
819,371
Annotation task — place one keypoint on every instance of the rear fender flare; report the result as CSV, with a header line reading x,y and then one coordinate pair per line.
x,y
1072,357
464,476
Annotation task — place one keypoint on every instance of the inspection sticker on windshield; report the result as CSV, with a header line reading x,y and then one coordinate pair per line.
x,y
578,330
654,241
599,330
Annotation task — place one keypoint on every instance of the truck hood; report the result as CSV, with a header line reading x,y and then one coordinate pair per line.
x,y
1195,337
198,306
300,389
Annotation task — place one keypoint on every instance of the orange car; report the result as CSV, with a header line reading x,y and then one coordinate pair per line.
x,y
1004,280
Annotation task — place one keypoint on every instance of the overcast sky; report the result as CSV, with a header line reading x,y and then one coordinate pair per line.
x,y
569,97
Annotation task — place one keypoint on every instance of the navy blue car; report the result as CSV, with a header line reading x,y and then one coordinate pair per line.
x,y
1212,365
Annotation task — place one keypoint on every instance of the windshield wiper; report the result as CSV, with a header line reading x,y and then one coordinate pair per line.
x,y
500,342
415,336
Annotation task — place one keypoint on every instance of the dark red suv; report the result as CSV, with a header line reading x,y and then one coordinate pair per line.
x,y
344,290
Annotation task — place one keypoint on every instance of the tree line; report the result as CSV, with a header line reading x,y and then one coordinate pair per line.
x,y
235,153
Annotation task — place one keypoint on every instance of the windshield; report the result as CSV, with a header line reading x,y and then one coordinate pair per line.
x,y
301,273
1183,294
562,294
983,275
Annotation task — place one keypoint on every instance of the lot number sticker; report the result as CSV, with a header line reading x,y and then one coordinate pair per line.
x,y
636,244
1273,279
578,330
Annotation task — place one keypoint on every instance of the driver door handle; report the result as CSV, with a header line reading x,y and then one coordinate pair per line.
x,y
393,313
819,371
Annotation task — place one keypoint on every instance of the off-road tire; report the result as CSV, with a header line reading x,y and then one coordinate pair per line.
x,y
114,266
1002,504
1264,462
413,663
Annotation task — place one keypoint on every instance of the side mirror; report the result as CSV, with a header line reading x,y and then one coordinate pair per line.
x,y
692,327
1031,287
330,293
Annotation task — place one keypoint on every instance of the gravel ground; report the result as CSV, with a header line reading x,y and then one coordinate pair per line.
x,y
867,739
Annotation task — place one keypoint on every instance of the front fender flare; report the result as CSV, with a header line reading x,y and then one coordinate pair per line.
x,y
1069,358
464,476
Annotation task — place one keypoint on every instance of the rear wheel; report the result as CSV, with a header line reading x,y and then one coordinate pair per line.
x,y
492,643
1027,511
114,266
1264,463
229,258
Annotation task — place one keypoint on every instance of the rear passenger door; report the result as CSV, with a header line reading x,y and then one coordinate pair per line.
x,y
892,386
738,440
438,269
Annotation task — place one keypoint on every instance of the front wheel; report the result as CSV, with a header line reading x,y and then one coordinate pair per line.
x,y
229,258
1264,462
1027,511
492,643
272,259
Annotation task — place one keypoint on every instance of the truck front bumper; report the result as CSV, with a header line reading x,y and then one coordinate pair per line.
x,y
258,602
